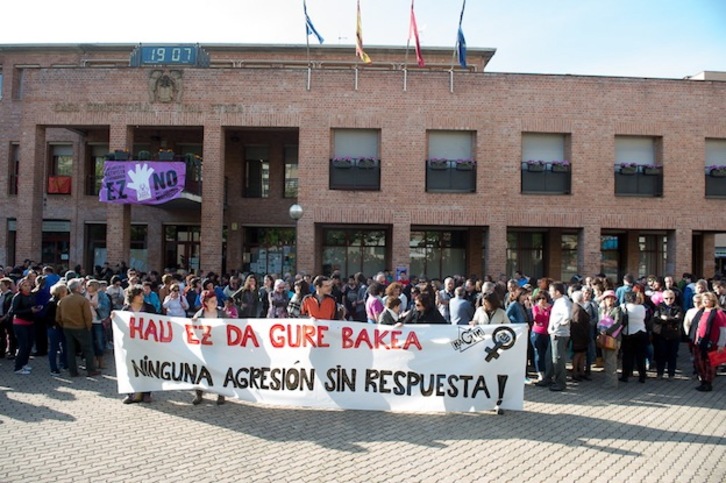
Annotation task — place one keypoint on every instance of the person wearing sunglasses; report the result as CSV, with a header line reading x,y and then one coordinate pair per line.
x,y
666,328
175,304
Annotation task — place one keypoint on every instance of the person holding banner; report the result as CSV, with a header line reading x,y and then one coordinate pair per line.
x,y
424,310
320,305
392,312
209,310
135,303
490,312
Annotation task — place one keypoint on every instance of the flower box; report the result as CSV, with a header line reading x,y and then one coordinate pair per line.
x,y
367,163
438,164
628,170
535,166
560,168
465,164
652,170
342,163
717,172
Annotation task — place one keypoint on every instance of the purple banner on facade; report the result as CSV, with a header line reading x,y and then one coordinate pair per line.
x,y
142,182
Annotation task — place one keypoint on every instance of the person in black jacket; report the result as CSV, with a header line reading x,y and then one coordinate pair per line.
x,y
424,310
666,329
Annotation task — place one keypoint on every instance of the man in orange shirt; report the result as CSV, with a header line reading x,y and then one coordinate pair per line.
x,y
320,305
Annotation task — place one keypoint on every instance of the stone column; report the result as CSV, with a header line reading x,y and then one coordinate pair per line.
x,y
32,190
212,222
118,217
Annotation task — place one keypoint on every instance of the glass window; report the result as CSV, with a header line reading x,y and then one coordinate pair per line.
x,y
545,163
355,164
610,256
95,168
139,248
568,267
653,254
291,177
353,250
14,168
635,149
257,172
525,253
450,164
269,250
543,147
437,253
61,160
638,171
716,168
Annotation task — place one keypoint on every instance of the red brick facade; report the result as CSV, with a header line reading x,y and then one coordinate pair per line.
x,y
85,94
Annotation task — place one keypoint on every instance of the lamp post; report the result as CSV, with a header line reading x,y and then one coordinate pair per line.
x,y
296,212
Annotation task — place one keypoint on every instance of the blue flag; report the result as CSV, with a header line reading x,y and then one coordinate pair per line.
x,y
460,40
309,27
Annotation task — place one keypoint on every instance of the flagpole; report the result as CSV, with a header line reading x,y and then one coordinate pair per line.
x,y
307,46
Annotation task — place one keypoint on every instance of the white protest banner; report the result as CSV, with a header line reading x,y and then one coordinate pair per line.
x,y
326,364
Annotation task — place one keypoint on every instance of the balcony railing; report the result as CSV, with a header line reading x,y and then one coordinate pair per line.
x,y
716,182
546,178
450,176
638,180
357,174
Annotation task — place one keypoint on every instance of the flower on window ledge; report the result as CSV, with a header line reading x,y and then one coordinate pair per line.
x,y
535,165
716,170
367,163
343,162
438,163
627,168
562,166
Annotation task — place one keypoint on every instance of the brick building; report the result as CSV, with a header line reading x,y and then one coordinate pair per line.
x,y
437,169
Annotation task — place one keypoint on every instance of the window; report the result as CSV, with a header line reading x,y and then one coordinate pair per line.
x,y
637,172
545,164
95,244
716,168
610,256
568,267
291,179
653,252
61,169
95,168
182,245
438,253
192,154
450,166
18,84
355,164
257,172
353,250
56,242
139,248
14,168
525,251
269,250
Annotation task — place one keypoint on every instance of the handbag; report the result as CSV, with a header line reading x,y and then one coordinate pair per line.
x,y
716,358
605,341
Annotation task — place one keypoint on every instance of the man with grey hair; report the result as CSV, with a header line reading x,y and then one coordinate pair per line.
x,y
460,309
443,297
74,315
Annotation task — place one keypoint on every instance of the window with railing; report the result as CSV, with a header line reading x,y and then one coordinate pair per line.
x,y
715,168
638,171
451,165
291,177
546,167
257,172
61,169
355,164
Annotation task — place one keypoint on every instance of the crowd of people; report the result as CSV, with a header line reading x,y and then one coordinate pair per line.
x,y
639,325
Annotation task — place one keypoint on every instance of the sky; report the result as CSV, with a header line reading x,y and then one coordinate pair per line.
x,y
632,38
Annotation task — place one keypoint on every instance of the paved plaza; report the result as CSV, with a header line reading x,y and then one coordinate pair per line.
x,y
76,430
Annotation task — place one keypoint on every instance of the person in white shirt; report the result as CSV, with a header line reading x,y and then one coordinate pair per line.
x,y
635,337
559,330
174,304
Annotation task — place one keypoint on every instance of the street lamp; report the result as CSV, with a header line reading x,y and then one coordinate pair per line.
x,y
296,212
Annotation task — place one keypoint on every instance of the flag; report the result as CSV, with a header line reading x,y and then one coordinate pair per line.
x,y
309,27
460,41
359,39
413,31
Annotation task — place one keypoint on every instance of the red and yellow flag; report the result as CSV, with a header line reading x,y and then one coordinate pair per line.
x,y
359,39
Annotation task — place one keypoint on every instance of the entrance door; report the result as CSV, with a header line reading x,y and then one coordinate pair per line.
x,y
182,246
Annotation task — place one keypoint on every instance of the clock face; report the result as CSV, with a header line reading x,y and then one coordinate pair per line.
x,y
169,54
